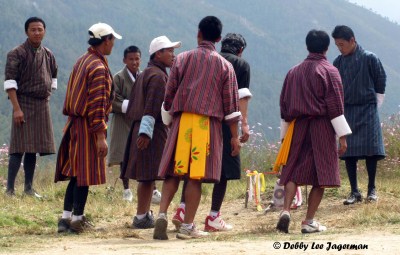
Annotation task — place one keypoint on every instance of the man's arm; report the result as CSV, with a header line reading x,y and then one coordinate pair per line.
x,y
18,115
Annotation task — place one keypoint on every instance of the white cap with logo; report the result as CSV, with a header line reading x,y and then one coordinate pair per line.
x,y
162,42
101,29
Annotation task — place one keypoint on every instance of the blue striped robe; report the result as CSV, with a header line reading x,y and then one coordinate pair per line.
x,y
312,94
363,76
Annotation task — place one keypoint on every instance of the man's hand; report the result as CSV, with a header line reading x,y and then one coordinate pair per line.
x,y
18,116
235,144
101,144
342,145
143,142
245,133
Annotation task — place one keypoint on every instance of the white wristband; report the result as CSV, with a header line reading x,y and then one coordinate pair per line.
x,y
124,106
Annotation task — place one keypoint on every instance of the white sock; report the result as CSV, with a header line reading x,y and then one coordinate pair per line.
x,y
66,215
140,216
162,215
214,214
187,226
126,190
77,217
182,205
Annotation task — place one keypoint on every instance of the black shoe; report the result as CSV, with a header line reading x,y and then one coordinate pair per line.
x,y
353,198
372,197
10,192
63,225
283,223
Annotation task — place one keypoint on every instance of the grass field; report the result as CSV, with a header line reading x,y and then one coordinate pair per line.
x,y
25,220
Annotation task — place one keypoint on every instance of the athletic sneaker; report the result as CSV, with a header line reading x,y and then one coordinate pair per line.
x,y
178,218
127,195
186,233
156,198
160,229
312,227
216,224
146,222
283,223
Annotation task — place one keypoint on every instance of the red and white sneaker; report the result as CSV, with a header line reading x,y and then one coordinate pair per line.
x,y
177,220
216,224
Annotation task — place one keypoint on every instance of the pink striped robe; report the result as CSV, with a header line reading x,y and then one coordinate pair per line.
x,y
201,81
87,105
313,95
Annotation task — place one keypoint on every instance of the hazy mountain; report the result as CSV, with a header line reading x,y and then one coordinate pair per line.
x,y
275,32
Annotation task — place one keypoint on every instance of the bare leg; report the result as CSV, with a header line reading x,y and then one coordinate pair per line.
x,y
169,188
144,193
314,199
290,192
192,198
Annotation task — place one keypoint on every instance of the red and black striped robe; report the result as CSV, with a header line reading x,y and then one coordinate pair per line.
x,y
87,105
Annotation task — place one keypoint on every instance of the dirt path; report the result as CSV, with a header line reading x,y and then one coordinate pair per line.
x,y
254,233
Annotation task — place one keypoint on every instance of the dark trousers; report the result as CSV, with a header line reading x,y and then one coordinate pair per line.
x,y
351,167
13,168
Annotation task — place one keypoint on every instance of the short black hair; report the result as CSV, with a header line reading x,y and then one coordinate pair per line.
x,y
211,28
232,43
31,20
131,49
317,41
342,32
152,56
96,41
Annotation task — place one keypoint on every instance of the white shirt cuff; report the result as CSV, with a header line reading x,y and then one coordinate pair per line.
x,y
379,99
245,92
54,83
341,126
232,115
284,128
10,84
165,115
124,106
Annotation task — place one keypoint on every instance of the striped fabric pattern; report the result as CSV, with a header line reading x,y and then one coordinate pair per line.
x,y
363,76
87,105
312,94
201,81
33,70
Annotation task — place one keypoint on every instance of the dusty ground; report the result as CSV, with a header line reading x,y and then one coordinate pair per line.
x,y
254,233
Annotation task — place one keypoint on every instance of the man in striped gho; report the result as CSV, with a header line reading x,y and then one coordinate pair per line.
x,y
312,96
201,92
82,154
30,78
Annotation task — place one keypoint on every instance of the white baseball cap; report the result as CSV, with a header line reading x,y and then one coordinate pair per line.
x,y
102,29
162,42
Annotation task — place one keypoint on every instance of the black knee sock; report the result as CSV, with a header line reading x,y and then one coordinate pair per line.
x,y
14,164
351,167
183,191
29,168
80,198
125,181
218,195
371,163
69,195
